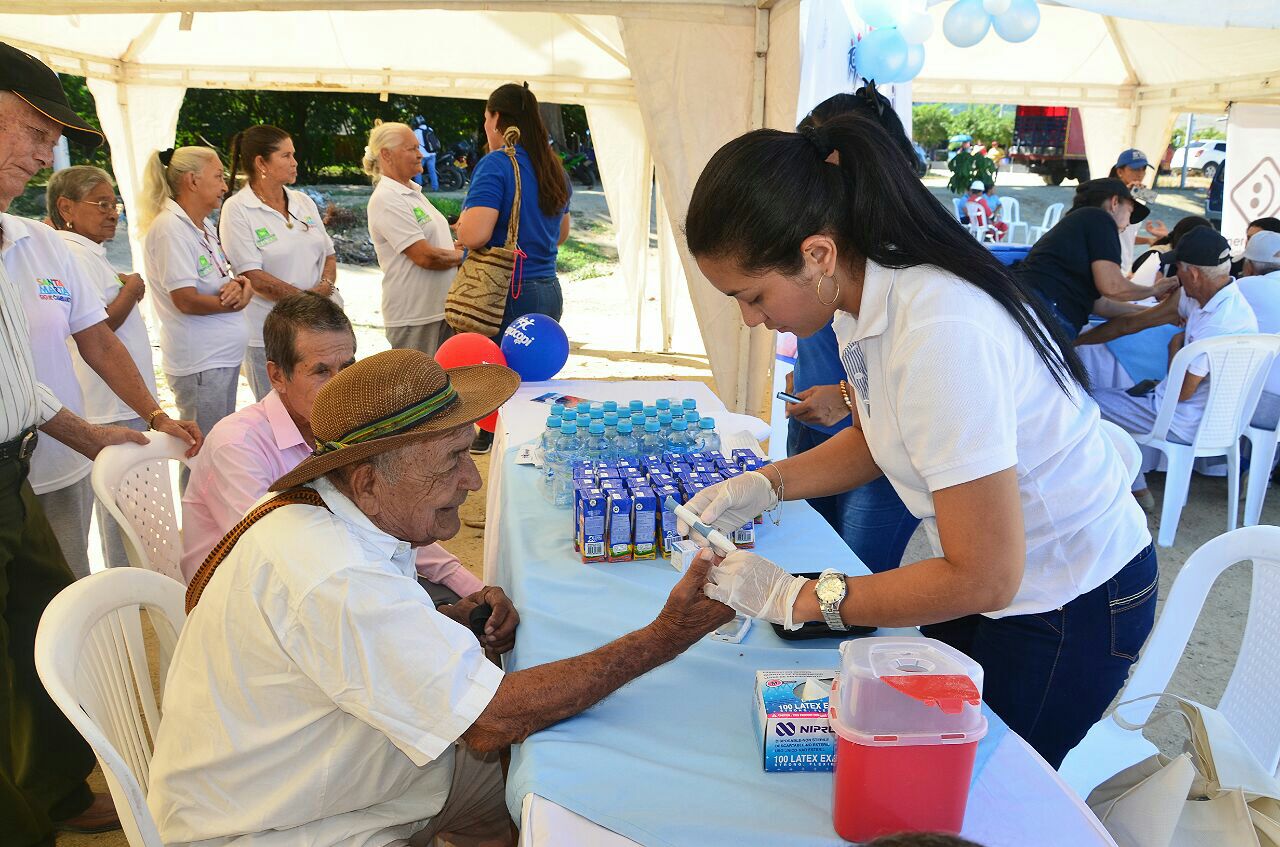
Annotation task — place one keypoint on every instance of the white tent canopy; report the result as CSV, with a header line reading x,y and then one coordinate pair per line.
x,y
664,82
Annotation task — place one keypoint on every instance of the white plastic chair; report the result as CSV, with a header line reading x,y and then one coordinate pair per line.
x,y
1249,700
1262,455
1011,214
1052,215
978,226
1238,366
92,661
132,481
1130,453
957,205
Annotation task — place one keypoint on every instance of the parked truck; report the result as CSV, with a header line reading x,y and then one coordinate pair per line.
x,y
1049,140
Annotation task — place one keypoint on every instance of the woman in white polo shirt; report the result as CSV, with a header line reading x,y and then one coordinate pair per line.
x,y
203,332
82,206
967,398
273,235
415,249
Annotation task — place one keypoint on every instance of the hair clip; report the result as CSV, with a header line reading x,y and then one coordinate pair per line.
x,y
165,156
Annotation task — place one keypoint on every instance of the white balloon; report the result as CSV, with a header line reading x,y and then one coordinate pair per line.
x,y
996,7
917,28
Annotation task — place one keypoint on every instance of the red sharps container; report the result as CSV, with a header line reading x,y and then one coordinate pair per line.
x,y
907,713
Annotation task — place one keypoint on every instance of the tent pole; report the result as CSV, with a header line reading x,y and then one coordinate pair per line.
x,y
740,399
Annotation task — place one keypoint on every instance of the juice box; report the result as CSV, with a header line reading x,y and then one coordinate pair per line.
x,y
644,523
591,506
618,526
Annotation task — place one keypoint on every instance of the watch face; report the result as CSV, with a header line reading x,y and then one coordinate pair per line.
x,y
830,588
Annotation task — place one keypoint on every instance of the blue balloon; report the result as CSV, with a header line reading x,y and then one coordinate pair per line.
x,y
1019,23
881,55
877,13
966,23
915,62
536,347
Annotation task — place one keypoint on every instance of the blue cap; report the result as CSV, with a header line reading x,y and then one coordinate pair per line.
x,y
664,417
688,403
567,428
569,414
596,428
652,425
597,414
707,423
662,403
692,416
650,411
637,418
679,424
1132,158
611,405
610,418
554,421
624,427
557,408
636,405
584,406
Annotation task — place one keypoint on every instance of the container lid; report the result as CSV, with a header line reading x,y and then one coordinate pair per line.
x,y
907,691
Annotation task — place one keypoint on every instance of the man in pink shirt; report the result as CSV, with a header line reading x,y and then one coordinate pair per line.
x,y
308,340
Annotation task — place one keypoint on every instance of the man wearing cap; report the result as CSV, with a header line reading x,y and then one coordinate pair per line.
x,y
1210,304
977,196
1131,169
316,696
43,760
1260,285
1075,267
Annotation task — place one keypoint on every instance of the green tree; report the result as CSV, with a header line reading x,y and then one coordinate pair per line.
x,y
930,124
984,123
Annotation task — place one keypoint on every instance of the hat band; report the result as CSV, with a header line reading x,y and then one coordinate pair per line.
x,y
392,424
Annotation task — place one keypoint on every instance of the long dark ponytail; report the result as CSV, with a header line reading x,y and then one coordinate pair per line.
x,y
765,192
516,106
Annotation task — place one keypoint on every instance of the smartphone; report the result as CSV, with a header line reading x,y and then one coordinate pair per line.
x,y
789,398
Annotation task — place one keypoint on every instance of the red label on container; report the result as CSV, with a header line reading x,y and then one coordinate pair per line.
x,y
949,692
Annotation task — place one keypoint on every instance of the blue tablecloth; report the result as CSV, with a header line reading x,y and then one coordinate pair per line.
x,y
1144,355
672,758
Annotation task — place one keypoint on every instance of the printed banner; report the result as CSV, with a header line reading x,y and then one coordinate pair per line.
x,y
1251,184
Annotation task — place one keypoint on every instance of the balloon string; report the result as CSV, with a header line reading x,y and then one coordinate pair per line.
x,y
518,277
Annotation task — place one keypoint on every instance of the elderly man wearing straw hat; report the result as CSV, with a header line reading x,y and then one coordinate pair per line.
x,y
316,697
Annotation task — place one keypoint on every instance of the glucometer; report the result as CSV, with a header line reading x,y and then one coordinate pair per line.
x,y
714,537
789,398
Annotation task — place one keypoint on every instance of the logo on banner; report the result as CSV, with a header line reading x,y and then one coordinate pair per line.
x,y
264,236
53,289
1257,195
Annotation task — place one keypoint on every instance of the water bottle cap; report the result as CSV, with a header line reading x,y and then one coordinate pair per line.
x,y
635,405
597,428
652,425
664,417
689,403
663,404
611,405
610,418
568,428
584,406
557,408
554,421
597,414
680,425
707,423
624,427
691,416
650,411
569,415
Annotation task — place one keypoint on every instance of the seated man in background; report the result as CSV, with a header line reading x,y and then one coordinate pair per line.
x,y
308,339
1260,285
1210,304
315,696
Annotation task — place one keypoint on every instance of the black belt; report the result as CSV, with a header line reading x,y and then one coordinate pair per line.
x,y
21,447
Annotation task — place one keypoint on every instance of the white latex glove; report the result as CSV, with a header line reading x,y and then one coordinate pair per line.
x,y
755,587
731,504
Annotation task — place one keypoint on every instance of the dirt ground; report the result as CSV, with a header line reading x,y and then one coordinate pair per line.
x,y
599,320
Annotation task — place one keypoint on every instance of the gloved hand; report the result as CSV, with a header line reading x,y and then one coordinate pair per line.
x,y
755,587
731,504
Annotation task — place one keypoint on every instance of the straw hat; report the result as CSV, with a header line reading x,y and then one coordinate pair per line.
x,y
392,399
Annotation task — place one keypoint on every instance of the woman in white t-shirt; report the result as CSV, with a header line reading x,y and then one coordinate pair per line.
x,y
273,235
415,249
63,305
967,398
82,206
200,304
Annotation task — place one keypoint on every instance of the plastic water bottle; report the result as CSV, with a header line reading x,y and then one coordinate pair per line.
x,y
569,416
550,433
650,412
708,440
662,404
597,414
652,443
691,418
634,406
610,406
625,445
567,451
637,421
594,446
584,408
664,421
689,404
679,441
557,409
610,425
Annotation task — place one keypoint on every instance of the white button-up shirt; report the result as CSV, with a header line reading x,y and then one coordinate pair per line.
x,y
949,390
293,249
315,694
399,215
24,400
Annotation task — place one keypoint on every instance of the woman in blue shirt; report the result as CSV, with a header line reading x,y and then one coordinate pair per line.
x,y
544,202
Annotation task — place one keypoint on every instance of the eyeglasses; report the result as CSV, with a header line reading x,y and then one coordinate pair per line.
x,y
105,206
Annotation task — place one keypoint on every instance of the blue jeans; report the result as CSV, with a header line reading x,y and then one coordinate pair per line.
x,y
1050,676
871,519
429,168
1067,326
541,296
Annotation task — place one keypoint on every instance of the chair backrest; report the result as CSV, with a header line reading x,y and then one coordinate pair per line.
x,y
1238,366
1010,210
91,658
977,214
1130,452
957,204
1052,215
133,482
1249,700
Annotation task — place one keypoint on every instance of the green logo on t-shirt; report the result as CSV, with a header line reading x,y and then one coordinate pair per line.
x,y
419,214
264,236
203,265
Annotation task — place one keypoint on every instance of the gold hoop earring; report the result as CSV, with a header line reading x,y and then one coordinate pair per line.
x,y
818,290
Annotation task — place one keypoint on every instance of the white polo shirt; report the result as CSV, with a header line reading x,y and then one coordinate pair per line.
x,y
315,693
949,390
1226,313
101,405
59,301
1263,294
258,238
399,215
178,254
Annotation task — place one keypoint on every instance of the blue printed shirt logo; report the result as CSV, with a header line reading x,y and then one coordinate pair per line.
x,y
53,289
855,367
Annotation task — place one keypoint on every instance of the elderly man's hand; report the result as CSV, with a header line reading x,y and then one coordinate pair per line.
x,y
689,613
500,630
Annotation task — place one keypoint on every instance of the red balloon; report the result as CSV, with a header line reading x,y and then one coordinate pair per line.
x,y
469,348
488,424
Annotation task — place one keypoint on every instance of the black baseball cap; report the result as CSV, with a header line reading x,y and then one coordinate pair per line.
x,y
1202,246
30,79
1094,191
